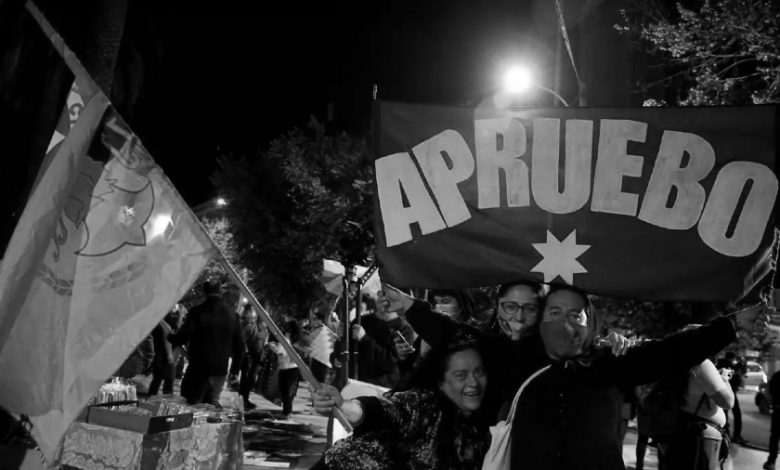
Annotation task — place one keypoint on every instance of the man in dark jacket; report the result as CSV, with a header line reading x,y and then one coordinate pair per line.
x,y
254,339
163,364
567,415
213,334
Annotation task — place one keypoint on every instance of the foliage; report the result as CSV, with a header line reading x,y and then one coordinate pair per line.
x,y
305,198
711,52
219,231
715,52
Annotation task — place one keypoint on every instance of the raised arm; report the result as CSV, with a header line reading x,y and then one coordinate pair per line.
x,y
399,411
654,360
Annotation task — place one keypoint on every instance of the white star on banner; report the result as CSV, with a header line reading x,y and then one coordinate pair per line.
x,y
559,258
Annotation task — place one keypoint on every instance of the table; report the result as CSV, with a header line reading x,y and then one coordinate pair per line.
x,y
199,447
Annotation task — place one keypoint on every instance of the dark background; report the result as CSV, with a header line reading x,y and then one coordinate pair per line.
x,y
198,81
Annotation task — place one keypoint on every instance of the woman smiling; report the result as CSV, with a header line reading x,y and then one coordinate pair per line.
x,y
436,423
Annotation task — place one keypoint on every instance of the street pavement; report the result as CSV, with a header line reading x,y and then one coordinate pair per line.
x,y
755,426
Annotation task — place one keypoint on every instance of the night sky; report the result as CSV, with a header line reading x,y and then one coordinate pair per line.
x,y
232,77
237,78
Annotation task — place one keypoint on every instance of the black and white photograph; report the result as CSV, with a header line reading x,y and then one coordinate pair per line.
x,y
389,235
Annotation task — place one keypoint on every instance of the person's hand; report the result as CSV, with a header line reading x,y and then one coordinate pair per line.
x,y
753,319
618,343
325,398
402,348
397,301
166,328
516,328
358,332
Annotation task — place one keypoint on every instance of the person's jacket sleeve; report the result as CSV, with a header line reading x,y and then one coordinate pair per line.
x,y
654,360
401,412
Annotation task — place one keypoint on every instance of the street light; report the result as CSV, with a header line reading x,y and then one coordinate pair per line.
x,y
221,202
518,79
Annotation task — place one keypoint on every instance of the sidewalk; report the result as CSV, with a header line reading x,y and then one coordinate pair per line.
x,y
741,457
300,441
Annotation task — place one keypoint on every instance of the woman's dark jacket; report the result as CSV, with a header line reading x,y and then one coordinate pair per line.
x,y
567,418
417,430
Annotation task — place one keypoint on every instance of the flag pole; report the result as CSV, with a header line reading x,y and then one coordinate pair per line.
x,y
305,371
73,63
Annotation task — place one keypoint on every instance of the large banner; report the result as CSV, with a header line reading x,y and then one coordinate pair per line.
x,y
645,203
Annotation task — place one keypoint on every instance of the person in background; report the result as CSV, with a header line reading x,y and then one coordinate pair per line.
x,y
774,430
643,429
163,365
212,333
627,412
457,304
739,368
375,337
707,394
288,369
140,360
255,337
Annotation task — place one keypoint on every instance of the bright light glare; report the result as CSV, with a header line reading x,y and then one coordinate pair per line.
x,y
221,202
159,224
518,79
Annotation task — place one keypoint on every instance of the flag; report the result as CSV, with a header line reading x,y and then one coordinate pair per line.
x,y
643,203
104,248
333,274
322,341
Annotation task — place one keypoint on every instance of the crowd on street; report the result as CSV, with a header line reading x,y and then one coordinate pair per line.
x,y
541,382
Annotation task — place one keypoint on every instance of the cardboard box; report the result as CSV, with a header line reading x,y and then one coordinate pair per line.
x,y
138,423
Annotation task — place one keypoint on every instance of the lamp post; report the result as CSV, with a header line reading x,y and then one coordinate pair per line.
x,y
518,80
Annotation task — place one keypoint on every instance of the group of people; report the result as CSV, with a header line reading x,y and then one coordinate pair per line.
x,y
539,367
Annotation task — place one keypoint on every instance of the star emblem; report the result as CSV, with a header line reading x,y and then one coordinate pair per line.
x,y
559,258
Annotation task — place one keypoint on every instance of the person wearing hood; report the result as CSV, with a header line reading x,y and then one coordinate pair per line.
x,y
568,414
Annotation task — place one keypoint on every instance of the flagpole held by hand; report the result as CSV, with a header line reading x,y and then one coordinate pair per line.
x,y
283,342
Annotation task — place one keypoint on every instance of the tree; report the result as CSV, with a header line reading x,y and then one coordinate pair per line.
x,y
711,52
715,52
219,231
305,198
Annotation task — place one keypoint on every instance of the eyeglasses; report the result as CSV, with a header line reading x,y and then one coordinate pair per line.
x,y
511,308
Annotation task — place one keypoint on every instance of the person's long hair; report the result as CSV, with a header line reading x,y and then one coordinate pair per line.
x,y
429,373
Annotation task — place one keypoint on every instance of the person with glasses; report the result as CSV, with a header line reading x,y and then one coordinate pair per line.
x,y
568,417
517,309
